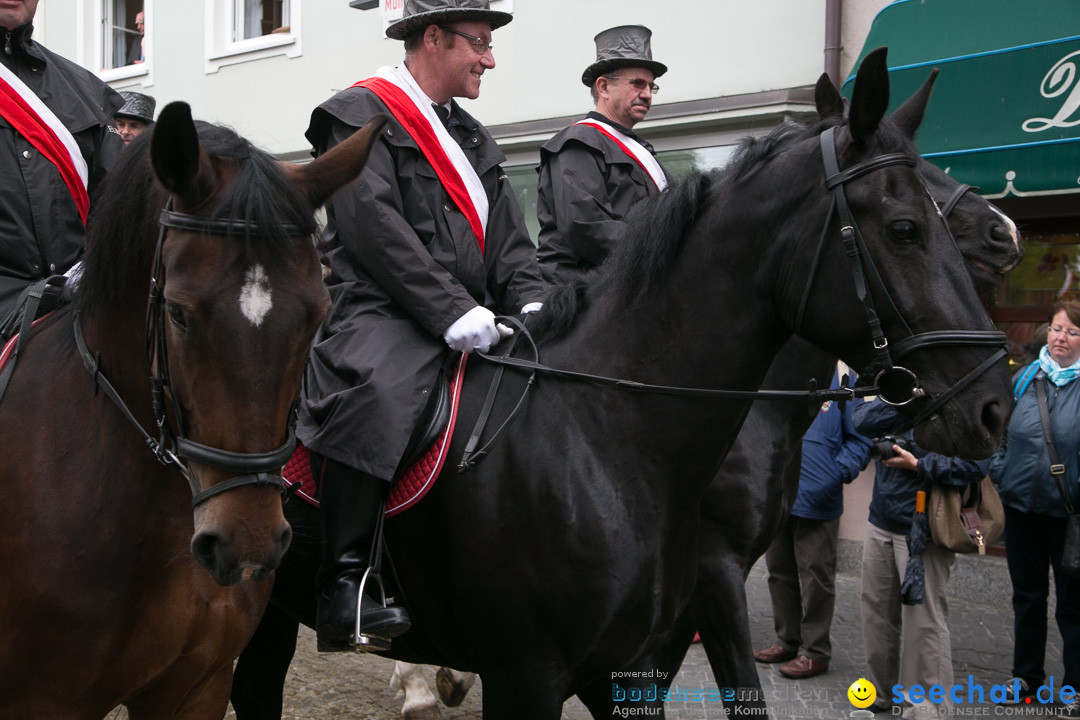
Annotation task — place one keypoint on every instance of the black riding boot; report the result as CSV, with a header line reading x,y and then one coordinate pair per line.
x,y
351,503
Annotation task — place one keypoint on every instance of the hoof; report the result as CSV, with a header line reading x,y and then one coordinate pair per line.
x,y
451,692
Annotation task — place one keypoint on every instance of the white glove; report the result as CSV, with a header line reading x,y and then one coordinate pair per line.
x,y
475,330
531,307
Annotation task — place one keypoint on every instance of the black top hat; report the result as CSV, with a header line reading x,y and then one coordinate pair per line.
x,y
623,46
418,14
137,107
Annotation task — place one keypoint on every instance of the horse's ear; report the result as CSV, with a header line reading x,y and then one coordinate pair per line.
x,y
870,98
175,152
320,178
827,99
910,115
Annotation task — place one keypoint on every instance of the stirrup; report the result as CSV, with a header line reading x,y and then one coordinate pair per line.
x,y
361,642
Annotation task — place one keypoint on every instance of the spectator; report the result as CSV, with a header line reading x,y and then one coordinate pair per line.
x,y
137,49
135,116
904,644
418,260
1035,509
593,172
802,558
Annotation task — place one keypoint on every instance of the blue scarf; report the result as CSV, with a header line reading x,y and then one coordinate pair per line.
x,y
1057,374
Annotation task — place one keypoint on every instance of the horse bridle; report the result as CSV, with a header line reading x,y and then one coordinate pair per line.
x,y
173,448
897,385
887,376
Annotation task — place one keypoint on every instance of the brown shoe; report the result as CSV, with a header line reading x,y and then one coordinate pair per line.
x,y
773,654
803,667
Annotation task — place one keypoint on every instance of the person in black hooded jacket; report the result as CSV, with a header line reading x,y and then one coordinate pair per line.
x,y
42,215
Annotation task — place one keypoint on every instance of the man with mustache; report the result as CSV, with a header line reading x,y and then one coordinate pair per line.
x,y
593,172
421,250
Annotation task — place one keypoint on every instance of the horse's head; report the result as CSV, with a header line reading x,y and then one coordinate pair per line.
x,y
236,297
908,272
988,239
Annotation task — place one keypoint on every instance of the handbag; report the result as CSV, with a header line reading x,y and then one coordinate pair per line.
x,y
965,519
1070,553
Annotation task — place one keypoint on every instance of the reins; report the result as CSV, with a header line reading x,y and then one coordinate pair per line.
x,y
172,447
894,384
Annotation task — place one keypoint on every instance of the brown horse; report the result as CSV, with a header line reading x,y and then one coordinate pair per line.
x,y
116,590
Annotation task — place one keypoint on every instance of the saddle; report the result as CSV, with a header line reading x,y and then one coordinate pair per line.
x,y
35,302
425,453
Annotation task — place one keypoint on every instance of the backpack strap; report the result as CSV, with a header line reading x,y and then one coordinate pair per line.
x,y
1024,379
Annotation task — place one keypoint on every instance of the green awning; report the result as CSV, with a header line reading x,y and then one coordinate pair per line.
x,y
1005,113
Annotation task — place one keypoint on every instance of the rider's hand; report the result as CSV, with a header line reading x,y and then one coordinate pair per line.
x,y
475,330
531,307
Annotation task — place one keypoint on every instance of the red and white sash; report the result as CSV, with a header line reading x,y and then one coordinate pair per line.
x,y
32,119
412,108
634,149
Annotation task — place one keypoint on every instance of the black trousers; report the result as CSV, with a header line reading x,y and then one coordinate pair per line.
x,y
1033,545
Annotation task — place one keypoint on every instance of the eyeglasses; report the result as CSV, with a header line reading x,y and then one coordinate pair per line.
x,y
638,84
1071,333
478,44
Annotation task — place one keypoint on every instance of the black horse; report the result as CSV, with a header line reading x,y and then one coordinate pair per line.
x,y
568,552
760,475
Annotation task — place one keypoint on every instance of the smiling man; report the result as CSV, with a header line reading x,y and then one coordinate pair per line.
x,y
420,250
593,172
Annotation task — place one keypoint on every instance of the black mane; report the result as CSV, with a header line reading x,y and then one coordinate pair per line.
x,y
123,226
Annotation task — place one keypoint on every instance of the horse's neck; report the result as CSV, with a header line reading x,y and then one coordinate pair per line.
x,y
706,323
117,340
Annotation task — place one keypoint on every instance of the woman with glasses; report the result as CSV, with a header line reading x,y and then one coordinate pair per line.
x,y
1037,500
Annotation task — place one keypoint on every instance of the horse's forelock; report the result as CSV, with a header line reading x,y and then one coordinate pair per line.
x,y
124,217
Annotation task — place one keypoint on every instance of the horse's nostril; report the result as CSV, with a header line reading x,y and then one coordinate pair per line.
x,y
205,546
994,417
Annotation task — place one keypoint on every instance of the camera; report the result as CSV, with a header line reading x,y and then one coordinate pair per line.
x,y
882,448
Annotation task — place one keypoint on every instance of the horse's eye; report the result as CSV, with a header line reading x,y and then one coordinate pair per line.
x,y
904,231
176,316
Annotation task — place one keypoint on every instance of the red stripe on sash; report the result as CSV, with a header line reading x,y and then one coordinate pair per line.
x,y
406,113
37,132
625,149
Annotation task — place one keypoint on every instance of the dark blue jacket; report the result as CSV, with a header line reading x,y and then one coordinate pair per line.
x,y
832,454
893,501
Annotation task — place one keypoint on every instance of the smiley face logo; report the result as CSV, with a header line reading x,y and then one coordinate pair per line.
x,y
862,693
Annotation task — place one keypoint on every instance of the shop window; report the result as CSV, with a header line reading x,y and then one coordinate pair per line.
x,y
678,163
1050,271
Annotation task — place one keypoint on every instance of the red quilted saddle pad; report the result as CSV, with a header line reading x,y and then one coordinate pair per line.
x,y
410,486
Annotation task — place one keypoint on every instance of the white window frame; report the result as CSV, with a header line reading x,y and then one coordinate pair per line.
x,y
223,50
90,43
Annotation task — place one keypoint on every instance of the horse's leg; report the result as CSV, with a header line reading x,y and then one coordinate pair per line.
x,y
170,698
259,679
453,686
409,680
720,614
635,688
524,693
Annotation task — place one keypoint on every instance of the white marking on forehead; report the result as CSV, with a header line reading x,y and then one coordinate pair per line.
x,y
255,301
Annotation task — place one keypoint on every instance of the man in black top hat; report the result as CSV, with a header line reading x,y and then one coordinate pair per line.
x,y
593,172
136,115
421,250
